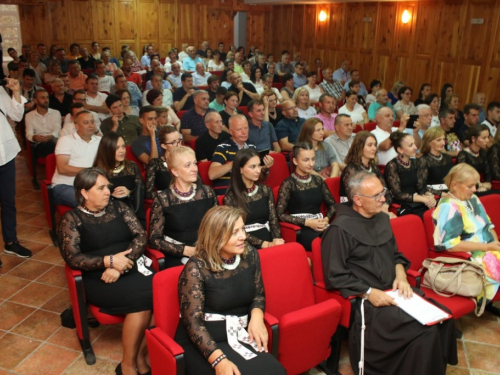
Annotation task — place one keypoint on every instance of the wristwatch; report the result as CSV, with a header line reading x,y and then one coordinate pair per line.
x,y
367,293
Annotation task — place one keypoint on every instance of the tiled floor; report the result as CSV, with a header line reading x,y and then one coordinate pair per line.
x,y
33,293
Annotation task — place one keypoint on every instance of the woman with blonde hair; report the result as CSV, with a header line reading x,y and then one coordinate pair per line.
x,y
177,211
301,100
326,164
393,94
224,279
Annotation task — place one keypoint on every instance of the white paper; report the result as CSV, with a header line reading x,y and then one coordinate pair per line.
x,y
419,308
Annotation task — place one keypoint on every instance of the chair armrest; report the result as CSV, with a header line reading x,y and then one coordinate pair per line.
x,y
289,232
495,185
415,278
166,356
450,254
273,333
157,257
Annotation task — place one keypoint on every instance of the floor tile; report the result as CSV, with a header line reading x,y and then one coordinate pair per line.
x,y
25,232
453,370
31,269
23,217
10,285
10,262
462,357
39,325
50,254
485,331
108,345
55,276
39,220
483,357
35,196
35,294
12,314
35,207
42,236
14,349
102,366
44,357
60,302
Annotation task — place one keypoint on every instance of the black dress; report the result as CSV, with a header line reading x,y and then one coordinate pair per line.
x,y
261,210
494,161
299,197
350,170
230,292
226,116
278,117
84,240
481,165
432,171
158,177
178,219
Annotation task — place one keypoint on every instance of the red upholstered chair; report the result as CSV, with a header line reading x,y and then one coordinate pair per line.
x,y
32,164
278,172
495,185
333,184
306,325
162,60
157,256
203,167
180,114
370,126
243,109
129,155
357,129
277,85
220,200
217,73
289,232
88,71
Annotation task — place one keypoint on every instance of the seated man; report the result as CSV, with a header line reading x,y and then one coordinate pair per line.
x,y
69,123
121,83
218,103
342,139
361,258
189,63
60,100
331,85
147,145
213,83
382,132
222,160
183,96
87,61
452,144
200,77
74,153
75,75
343,74
492,120
289,127
261,133
214,136
382,100
299,79
28,89
193,121
127,126
246,91
104,82
175,78
80,97
327,113
157,84
129,74
95,100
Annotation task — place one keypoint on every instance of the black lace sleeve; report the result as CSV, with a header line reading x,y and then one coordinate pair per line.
x,y
494,161
394,182
191,291
273,217
422,174
328,200
488,175
139,240
388,195
137,173
283,198
259,301
151,170
462,157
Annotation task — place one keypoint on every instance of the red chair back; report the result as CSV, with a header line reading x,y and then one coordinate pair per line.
x,y
333,184
180,114
370,126
129,155
279,171
491,204
203,167
429,228
166,300
276,190
382,168
357,129
217,73
243,109
277,85
317,261
410,238
50,166
220,200
287,279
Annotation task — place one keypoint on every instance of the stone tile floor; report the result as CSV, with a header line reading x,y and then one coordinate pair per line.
x,y
33,293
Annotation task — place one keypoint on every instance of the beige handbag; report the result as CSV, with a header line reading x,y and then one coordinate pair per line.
x,y
452,276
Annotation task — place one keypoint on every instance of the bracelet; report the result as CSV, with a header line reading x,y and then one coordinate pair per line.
x,y
218,360
111,261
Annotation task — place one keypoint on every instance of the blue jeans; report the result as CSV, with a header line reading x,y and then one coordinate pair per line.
x,y
65,195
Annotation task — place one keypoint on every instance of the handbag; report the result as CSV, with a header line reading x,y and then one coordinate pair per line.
x,y
452,276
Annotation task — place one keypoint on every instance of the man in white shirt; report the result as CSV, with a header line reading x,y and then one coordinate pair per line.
x,y
69,123
183,54
73,153
343,74
200,77
104,82
9,148
492,117
96,101
175,77
157,82
382,132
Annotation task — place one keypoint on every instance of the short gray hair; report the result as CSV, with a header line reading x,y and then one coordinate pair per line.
x,y
210,116
198,92
354,184
422,106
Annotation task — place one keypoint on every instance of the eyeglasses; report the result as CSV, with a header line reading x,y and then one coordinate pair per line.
x,y
377,197
290,108
175,143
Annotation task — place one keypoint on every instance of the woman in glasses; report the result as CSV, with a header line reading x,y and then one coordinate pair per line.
x,y
177,211
404,105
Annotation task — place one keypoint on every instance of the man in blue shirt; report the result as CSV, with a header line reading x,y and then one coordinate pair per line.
x,y
382,100
146,59
289,127
299,79
261,133
343,73
189,63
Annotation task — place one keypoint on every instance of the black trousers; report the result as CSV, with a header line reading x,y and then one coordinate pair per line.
x,y
7,201
41,150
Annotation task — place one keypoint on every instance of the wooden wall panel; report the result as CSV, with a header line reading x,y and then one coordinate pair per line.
x,y
427,23
450,30
298,23
59,15
368,28
36,17
81,16
147,15
126,16
103,21
386,27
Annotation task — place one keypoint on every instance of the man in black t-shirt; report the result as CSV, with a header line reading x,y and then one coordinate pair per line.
x,y
183,96
215,135
245,90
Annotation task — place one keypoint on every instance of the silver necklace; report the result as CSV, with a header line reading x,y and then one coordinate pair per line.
x,y
93,213
467,203
184,197
233,265
253,190
301,179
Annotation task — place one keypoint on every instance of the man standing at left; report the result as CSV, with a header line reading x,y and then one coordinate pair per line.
x,y
9,148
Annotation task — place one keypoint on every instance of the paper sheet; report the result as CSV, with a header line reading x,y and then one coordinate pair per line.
x,y
423,311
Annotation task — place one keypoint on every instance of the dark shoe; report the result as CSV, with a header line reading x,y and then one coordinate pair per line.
x,y
15,248
1,263
118,369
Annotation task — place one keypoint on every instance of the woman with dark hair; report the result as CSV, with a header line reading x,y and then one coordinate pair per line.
x,y
104,240
287,90
223,79
494,157
425,91
231,101
271,69
301,196
404,105
224,278
215,64
475,155
209,56
256,78
124,95
256,200
362,157
326,164
432,101
401,177
273,114
155,98
452,101
374,87
158,176
446,90
124,175
354,109
176,212
315,91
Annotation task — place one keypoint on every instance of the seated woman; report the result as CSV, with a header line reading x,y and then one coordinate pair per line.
x,y
425,91
287,90
176,212
355,86
475,155
125,99
273,114
326,164
209,56
256,200
231,101
215,64
374,87
223,278
393,94
223,79
53,71
434,164
354,109
301,196
256,79
362,157
462,224
404,106
167,116
124,175
315,91
494,157
158,177
104,240
401,177
446,91
301,100
433,101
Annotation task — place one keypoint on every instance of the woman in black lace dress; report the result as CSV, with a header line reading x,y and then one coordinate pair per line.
x,y
104,240
176,212
256,200
401,177
124,175
158,176
223,278
362,157
301,196
494,157
475,155
434,164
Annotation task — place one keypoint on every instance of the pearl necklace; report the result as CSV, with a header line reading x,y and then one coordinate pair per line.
x,y
231,264
467,203
98,213
436,157
475,154
253,190
303,179
119,168
184,196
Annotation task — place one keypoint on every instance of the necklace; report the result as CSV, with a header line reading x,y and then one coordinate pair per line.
x,y
472,152
439,157
366,167
232,263
97,213
405,164
467,203
164,162
253,190
119,168
304,179
184,196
